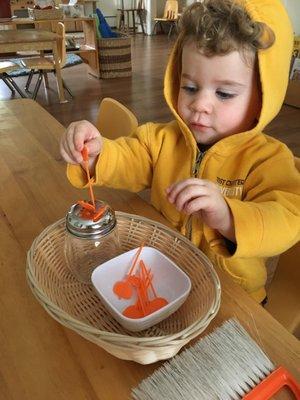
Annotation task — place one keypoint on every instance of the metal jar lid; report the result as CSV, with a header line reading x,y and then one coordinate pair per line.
x,y
87,228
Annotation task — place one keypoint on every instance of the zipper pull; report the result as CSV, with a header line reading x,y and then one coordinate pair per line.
x,y
199,157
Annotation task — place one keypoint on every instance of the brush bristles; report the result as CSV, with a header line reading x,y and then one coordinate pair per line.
x,y
225,365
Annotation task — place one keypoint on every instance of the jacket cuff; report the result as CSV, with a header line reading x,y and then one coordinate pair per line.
x,y
216,242
77,176
248,225
104,169
247,220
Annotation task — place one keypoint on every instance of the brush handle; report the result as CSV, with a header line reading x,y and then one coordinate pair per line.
x,y
272,384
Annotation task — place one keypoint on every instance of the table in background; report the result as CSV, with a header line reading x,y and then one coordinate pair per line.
x,y
41,359
88,50
33,40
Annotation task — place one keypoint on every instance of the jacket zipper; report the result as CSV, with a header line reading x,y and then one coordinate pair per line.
x,y
196,167
195,171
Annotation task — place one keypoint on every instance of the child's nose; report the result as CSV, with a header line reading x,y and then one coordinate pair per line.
x,y
202,103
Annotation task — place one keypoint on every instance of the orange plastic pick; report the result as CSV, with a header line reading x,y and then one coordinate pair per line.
x,y
99,213
133,312
123,288
85,156
86,205
134,280
156,304
148,280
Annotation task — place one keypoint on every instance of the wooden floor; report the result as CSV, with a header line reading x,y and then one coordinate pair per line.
x,y
142,93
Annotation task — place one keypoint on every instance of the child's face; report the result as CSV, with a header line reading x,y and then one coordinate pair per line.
x,y
219,96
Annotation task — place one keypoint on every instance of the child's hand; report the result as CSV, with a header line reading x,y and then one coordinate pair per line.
x,y
78,135
201,196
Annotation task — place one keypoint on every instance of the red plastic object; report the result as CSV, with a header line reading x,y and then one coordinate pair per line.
x,y
267,388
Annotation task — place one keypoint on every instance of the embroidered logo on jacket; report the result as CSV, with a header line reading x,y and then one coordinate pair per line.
x,y
231,188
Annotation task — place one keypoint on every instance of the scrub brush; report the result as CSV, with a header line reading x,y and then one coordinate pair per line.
x,y
226,364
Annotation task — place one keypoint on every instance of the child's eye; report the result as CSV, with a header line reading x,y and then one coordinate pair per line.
x,y
189,89
224,95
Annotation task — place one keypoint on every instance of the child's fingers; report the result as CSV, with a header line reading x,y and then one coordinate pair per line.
x,y
66,156
94,146
174,189
71,150
84,132
66,152
77,135
197,204
67,147
189,193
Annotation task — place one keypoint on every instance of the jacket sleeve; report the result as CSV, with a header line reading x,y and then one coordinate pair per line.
x,y
267,221
124,163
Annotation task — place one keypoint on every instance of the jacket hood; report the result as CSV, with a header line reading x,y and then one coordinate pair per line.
x,y
274,64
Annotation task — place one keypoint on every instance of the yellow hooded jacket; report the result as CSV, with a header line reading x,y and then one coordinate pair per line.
x,y
255,172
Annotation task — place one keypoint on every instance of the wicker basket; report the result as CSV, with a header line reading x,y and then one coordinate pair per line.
x,y
38,15
76,305
115,57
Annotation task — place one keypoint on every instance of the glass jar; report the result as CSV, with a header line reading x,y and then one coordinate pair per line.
x,y
89,243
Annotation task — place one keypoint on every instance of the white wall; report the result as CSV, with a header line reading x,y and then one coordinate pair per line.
x,y
151,7
156,8
108,8
293,9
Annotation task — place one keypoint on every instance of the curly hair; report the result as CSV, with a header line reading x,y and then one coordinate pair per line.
x,y
221,26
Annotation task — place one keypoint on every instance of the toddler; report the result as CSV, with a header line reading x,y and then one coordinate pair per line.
x,y
231,189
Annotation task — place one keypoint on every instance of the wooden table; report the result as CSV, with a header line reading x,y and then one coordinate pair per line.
x,y
88,50
40,359
33,40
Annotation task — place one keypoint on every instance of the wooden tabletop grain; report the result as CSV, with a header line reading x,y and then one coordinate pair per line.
x,y
41,359
26,35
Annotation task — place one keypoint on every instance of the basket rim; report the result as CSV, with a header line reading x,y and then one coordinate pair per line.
x,y
115,338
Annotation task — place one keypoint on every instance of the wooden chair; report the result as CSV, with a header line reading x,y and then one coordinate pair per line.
x,y
136,7
284,290
45,64
5,67
170,17
114,119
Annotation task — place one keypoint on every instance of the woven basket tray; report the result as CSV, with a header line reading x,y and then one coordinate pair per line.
x,y
76,305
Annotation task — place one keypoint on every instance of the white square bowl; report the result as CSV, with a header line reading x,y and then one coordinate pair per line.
x,y
169,281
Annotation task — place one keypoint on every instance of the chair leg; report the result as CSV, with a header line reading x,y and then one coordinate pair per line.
x,y
67,88
127,25
171,29
133,21
8,84
154,28
161,27
38,84
140,15
11,83
122,20
45,76
29,80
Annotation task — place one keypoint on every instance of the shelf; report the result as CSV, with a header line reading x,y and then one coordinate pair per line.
x,y
81,49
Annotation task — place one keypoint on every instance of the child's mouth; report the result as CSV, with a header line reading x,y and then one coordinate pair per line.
x,y
199,127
